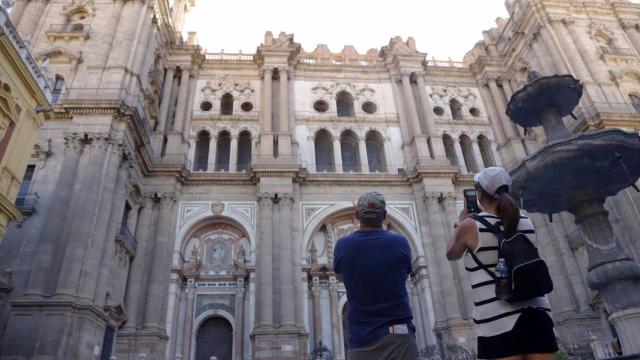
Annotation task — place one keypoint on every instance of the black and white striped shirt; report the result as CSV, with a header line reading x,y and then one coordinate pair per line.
x,y
493,316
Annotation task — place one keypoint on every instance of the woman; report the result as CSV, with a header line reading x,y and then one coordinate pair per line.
x,y
510,331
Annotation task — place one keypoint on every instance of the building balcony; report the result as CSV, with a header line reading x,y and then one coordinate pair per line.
x,y
127,240
68,31
27,203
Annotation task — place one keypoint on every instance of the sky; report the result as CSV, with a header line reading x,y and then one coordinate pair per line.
x,y
441,28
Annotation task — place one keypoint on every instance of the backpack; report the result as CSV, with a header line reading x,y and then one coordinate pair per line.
x,y
528,273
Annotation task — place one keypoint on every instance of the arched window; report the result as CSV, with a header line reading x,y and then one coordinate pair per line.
x,y
467,153
58,87
349,148
344,104
214,338
226,104
456,109
323,145
485,151
223,150
635,101
375,151
244,150
450,150
201,158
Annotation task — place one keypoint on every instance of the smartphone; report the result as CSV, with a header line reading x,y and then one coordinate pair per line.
x,y
472,201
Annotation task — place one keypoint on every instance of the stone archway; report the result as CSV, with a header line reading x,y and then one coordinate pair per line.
x,y
214,338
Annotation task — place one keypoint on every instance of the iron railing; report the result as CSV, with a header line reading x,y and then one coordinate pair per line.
x,y
606,50
70,28
27,203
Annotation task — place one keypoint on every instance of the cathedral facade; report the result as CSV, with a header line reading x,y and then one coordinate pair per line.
x,y
189,202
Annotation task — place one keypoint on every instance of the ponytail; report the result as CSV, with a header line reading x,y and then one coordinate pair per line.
x,y
508,211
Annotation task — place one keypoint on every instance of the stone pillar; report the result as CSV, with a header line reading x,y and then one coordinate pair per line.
x,y
631,29
425,304
311,158
435,140
173,313
284,133
574,56
597,69
122,44
146,223
461,161
188,320
17,10
182,100
338,346
79,226
495,121
388,155
41,278
233,153
287,268
501,107
238,335
153,319
213,145
364,159
188,109
445,268
31,18
478,154
337,154
317,318
421,146
264,261
266,128
165,101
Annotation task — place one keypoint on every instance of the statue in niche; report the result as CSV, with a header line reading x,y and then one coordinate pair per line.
x,y
217,255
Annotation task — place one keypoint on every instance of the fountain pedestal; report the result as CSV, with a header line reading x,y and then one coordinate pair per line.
x,y
576,173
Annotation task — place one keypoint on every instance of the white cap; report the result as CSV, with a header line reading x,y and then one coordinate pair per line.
x,y
493,178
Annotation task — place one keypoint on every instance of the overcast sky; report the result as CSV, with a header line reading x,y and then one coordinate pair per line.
x,y
442,28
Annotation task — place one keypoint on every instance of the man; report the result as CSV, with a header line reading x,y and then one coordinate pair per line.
x,y
374,264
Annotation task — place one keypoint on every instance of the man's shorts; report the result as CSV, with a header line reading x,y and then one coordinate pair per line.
x,y
392,346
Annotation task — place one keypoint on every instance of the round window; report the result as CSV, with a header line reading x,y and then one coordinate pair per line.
x,y
246,106
438,111
206,106
321,106
369,107
474,112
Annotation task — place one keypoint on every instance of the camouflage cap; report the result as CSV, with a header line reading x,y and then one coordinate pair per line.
x,y
371,206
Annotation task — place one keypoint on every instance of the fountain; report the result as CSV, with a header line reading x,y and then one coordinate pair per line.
x,y
576,173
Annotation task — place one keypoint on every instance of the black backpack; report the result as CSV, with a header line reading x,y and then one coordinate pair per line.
x,y
529,274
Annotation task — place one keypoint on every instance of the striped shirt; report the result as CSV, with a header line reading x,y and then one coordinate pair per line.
x,y
492,316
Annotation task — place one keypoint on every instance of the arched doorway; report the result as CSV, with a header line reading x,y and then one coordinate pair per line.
x,y
214,338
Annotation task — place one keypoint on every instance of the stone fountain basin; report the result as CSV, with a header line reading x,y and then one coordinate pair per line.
x,y
558,92
585,163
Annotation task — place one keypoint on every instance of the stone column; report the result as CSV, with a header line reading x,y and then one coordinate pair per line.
x,y
31,18
631,29
238,335
478,154
173,313
426,304
188,320
182,99
335,324
415,310
188,109
233,153
284,133
16,12
159,264
501,107
266,129
421,146
435,140
41,278
287,268
264,261
495,121
573,54
337,154
445,268
213,144
79,226
597,69
122,45
388,155
317,318
364,159
461,161
311,145
135,285
166,99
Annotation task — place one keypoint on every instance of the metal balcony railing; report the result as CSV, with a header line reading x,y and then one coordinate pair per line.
x,y
27,203
127,238
606,50
70,28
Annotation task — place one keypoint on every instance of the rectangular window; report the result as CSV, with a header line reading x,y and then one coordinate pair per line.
x,y
107,343
26,182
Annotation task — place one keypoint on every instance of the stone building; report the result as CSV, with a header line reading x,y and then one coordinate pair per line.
x,y
190,201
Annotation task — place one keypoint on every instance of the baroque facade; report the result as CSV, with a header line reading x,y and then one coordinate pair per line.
x,y
190,201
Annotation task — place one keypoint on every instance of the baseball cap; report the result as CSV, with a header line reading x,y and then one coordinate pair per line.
x,y
371,206
493,178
